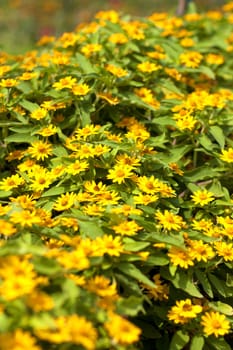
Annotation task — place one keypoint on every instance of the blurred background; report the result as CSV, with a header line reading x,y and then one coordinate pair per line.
x,y
23,22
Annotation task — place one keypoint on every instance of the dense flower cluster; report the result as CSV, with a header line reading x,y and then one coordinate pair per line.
x,y
116,216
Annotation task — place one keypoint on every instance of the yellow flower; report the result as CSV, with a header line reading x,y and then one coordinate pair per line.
x,y
191,59
160,290
65,201
93,210
170,221
200,251
39,301
6,228
65,83
40,150
18,277
11,182
117,71
73,329
224,250
101,286
118,38
202,197
180,257
28,76
127,228
25,218
8,83
119,173
121,330
148,67
77,167
39,114
75,259
215,323
227,155
18,340
89,49
86,131
48,131
80,89
212,58
108,245
145,199
148,185
183,311
108,97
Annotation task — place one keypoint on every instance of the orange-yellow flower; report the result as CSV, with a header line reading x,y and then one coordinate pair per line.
x,y
215,323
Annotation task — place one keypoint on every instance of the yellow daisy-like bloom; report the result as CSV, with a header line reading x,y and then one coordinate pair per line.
x,y
127,228
148,67
101,286
148,185
65,83
224,250
227,155
25,218
170,221
73,329
39,301
77,167
200,251
64,202
160,290
18,340
108,245
121,330
118,38
8,83
183,311
39,114
28,76
191,59
6,228
80,89
48,131
117,71
180,257
202,197
40,150
11,182
145,199
217,59
215,323
107,96
119,173
89,49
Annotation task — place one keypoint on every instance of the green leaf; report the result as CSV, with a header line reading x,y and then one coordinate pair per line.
x,y
220,286
130,306
218,135
177,241
90,229
201,173
205,142
46,266
134,246
218,344
55,191
204,282
197,343
182,281
21,138
29,106
223,308
134,272
85,64
179,340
